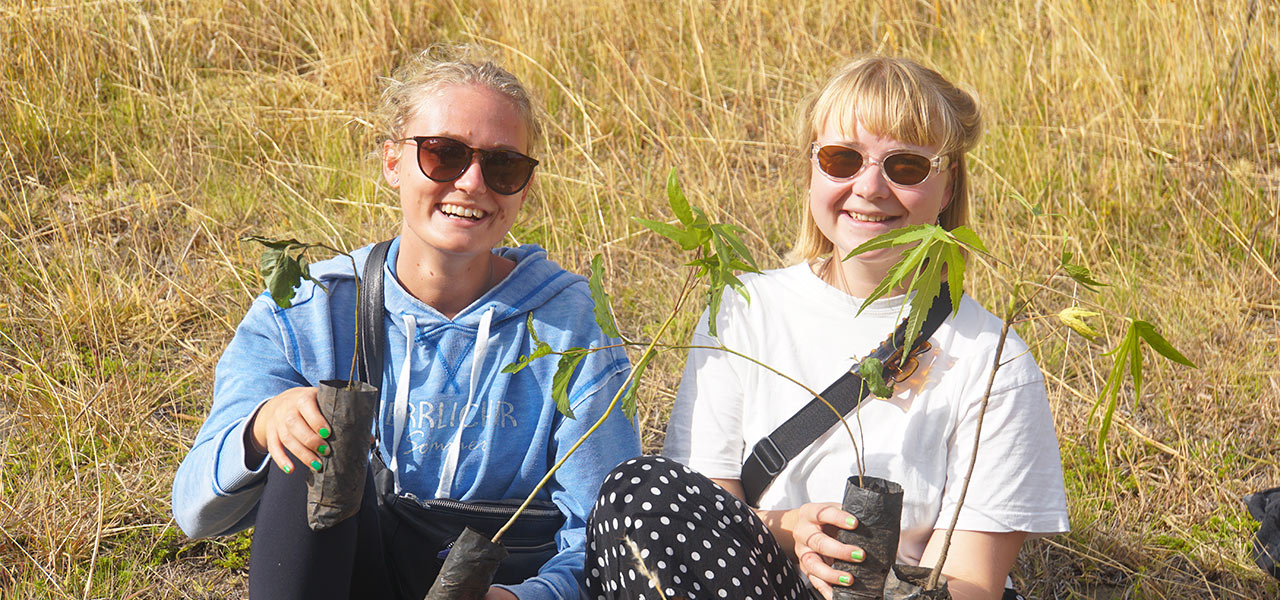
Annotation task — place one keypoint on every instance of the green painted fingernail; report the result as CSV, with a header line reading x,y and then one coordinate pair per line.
x,y
324,432
316,466
323,449
844,579
857,555
852,522
287,469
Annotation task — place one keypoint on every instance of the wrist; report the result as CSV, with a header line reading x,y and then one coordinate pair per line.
x,y
255,449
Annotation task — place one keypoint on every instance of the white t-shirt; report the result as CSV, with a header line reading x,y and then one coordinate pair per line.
x,y
921,438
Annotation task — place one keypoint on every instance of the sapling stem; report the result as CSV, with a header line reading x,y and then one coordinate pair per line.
x,y
973,459
622,390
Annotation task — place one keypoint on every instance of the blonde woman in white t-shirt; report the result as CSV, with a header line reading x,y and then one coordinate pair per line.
x,y
885,140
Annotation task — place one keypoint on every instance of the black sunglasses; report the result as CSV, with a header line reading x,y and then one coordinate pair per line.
x,y
904,167
445,159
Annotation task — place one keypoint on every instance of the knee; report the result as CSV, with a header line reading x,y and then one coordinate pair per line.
x,y
642,471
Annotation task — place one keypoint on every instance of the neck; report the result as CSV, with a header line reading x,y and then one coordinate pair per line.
x,y
446,283
854,277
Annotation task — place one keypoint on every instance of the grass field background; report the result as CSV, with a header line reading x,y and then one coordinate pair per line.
x,y
142,139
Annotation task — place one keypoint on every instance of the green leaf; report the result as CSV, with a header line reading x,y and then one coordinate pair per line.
x,y
540,348
283,266
897,274
1160,345
1135,363
1080,274
629,405
897,237
1110,391
713,307
969,238
282,273
675,197
569,360
928,284
274,243
700,218
955,276
729,233
600,299
528,325
1074,317
687,239
872,372
732,281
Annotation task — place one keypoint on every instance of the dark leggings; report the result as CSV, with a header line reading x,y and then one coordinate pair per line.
x,y
290,561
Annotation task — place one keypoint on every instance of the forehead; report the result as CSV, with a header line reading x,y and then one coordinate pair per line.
x,y
473,114
859,135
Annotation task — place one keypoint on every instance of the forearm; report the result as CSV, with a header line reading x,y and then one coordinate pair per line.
x,y
978,562
781,523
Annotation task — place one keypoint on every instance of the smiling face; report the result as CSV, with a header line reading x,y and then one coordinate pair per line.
x,y
851,211
459,220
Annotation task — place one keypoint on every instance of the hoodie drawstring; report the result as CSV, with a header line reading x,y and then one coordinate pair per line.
x,y
400,410
445,490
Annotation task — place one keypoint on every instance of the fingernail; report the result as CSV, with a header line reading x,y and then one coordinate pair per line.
x,y
323,449
845,579
324,432
852,522
287,469
857,555
316,466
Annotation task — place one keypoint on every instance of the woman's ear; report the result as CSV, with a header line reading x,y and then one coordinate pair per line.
x,y
391,163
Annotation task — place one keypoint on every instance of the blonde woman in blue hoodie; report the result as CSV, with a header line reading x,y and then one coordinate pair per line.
x,y
451,424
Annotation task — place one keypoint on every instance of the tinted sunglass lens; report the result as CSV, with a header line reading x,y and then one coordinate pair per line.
x,y
839,162
907,169
506,172
443,159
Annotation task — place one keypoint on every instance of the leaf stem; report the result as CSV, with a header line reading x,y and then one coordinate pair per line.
x,y
973,459
622,390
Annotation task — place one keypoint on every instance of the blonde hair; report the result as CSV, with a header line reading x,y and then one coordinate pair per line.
x,y
443,66
900,99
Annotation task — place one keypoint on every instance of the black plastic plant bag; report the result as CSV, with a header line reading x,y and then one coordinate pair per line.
x,y
877,503
1265,507
469,569
907,582
334,493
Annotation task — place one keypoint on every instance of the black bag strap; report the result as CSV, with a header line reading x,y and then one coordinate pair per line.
x,y
772,453
373,335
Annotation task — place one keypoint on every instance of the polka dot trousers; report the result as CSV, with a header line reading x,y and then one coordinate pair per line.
x,y
659,525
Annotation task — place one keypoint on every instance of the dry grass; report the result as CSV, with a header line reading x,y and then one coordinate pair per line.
x,y
142,138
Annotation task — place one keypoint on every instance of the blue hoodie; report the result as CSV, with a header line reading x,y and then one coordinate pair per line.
x,y
467,431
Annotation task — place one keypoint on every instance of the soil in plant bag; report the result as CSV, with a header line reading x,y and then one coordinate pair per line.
x,y
907,582
334,493
877,503
469,569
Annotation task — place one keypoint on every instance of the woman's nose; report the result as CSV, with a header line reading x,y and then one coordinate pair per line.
x,y
870,181
472,179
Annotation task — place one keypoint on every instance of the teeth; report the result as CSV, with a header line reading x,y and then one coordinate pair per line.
x,y
868,218
461,211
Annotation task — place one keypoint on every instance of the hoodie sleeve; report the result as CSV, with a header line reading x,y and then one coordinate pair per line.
x,y
215,492
576,485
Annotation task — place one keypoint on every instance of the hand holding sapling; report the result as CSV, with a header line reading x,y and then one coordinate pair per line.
x,y
289,421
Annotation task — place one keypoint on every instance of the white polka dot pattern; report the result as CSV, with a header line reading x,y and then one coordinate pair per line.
x,y
694,539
